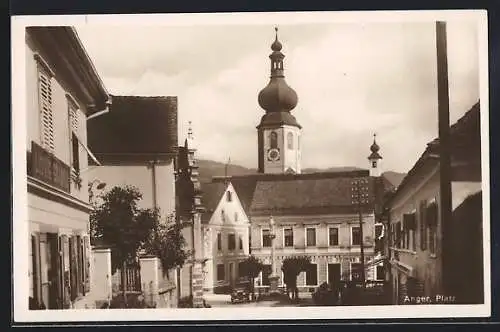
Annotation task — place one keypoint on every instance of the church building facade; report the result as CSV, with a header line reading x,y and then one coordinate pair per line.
x,y
328,216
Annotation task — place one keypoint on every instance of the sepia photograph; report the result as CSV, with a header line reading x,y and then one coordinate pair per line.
x,y
252,165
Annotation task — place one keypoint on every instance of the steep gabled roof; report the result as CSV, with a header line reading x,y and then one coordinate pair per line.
x,y
465,138
211,196
136,128
315,193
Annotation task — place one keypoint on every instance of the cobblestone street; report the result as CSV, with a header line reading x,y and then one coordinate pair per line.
x,y
224,300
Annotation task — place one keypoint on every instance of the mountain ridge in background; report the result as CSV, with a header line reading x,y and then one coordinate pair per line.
x,y
209,168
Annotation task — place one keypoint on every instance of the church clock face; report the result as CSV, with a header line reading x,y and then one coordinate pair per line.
x,y
273,154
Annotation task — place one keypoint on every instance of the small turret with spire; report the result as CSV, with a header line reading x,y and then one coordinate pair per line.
x,y
374,158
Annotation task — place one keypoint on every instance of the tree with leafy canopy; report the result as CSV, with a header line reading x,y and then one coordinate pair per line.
x,y
119,222
168,244
291,268
251,268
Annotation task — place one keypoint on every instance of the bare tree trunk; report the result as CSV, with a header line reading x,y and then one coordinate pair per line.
x,y
124,284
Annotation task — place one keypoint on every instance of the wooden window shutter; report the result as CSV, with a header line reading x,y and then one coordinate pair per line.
x,y
86,266
79,245
73,116
423,225
46,111
37,282
73,266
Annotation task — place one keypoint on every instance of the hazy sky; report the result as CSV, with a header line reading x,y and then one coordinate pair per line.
x,y
352,80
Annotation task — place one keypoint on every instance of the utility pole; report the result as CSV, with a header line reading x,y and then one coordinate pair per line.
x,y
444,146
358,196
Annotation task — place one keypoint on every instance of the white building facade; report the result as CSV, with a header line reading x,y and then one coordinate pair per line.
x,y
62,89
225,240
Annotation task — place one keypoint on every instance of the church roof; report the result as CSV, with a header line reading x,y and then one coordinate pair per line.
x,y
211,196
292,194
135,128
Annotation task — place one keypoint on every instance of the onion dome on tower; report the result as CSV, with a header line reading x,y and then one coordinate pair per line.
x,y
277,98
374,149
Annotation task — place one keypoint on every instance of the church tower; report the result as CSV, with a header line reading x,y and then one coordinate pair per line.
x,y
278,131
374,158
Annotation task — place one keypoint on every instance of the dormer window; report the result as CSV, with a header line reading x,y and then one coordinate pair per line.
x,y
229,196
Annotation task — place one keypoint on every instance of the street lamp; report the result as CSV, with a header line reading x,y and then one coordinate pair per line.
x,y
273,278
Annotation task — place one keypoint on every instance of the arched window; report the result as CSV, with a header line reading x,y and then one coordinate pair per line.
x,y
229,196
289,139
274,140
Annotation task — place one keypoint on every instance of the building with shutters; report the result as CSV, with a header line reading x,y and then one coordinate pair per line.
x,y
62,90
420,265
315,215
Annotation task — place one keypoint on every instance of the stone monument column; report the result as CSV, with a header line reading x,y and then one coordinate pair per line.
x,y
274,277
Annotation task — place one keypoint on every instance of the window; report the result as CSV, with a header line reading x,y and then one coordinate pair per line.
x,y
333,236
312,275
355,236
378,231
221,273
73,128
288,235
46,111
266,272
229,196
266,238
222,215
241,270
231,242
219,241
75,153
236,216
403,236
398,234
289,140
310,237
422,225
241,243
379,241
356,271
374,164
409,228
380,272
432,221
273,140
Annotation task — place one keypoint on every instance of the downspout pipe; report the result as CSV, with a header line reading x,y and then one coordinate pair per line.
x,y
102,112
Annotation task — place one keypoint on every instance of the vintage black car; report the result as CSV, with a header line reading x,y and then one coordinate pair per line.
x,y
240,293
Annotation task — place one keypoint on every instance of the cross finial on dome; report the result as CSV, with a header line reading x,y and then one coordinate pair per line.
x,y
374,136
276,46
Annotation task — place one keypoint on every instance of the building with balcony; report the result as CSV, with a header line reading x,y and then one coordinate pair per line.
x,y
137,144
226,236
62,90
421,265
